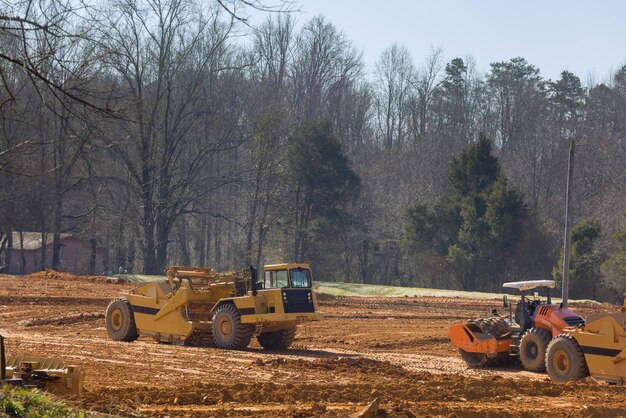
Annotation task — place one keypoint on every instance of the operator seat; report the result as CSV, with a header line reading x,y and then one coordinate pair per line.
x,y
522,316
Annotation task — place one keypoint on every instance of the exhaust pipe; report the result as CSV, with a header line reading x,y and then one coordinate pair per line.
x,y
254,277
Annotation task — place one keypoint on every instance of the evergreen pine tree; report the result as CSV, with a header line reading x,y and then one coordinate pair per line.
x,y
585,261
476,225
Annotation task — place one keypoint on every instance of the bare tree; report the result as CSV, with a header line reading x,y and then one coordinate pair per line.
x,y
163,55
324,60
424,84
393,75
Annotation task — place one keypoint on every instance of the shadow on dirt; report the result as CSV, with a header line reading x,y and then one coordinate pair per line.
x,y
302,352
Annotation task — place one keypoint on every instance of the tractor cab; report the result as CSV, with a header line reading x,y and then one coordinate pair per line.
x,y
287,288
528,302
286,276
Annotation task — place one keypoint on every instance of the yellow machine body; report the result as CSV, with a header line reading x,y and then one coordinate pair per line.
x,y
177,310
603,342
596,348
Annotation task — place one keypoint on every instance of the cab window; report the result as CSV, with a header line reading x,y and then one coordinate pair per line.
x,y
300,277
275,279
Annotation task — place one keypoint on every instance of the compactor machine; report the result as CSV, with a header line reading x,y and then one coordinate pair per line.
x,y
49,374
199,306
597,348
524,334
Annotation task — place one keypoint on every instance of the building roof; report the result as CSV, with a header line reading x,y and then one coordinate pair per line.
x,y
32,240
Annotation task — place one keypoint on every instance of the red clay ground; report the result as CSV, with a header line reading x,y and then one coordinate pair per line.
x,y
393,349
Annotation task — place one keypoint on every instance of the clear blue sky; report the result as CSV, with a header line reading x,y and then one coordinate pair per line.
x,y
582,36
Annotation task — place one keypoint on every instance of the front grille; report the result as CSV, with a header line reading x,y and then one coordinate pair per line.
x,y
574,321
298,300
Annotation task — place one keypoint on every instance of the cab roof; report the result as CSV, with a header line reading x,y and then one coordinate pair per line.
x,y
531,284
285,266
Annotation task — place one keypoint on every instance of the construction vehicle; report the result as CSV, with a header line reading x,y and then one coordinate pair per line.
x,y
49,374
597,348
524,334
199,306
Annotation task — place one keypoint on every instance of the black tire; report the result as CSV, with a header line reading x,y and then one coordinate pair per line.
x,y
532,349
277,340
228,331
565,359
120,321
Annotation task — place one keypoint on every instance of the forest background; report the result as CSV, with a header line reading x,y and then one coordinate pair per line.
x,y
173,132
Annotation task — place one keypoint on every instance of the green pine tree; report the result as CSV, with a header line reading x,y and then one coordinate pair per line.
x,y
476,225
585,261
614,268
321,184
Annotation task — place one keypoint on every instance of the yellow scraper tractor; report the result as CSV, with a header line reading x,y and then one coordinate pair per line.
x,y
524,334
49,374
597,348
199,306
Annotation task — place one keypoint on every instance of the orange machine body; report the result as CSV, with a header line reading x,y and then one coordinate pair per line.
x,y
555,319
472,340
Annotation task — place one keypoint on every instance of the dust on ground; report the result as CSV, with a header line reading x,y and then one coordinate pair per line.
x,y
395,350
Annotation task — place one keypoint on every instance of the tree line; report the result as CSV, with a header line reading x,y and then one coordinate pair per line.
x,y
173,133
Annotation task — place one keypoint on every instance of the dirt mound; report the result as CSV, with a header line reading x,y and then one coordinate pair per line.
x,y
451,395
50,274
355,365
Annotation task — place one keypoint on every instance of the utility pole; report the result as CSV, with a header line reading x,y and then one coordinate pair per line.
x,y
568,227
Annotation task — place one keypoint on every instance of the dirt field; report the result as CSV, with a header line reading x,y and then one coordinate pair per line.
x,y
393,349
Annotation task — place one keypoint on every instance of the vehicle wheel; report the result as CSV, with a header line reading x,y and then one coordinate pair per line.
x,y
228,331
565,359
277,340
120,321
532,349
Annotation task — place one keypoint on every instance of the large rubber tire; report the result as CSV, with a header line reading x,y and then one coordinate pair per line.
x,y
228,331
532,349
120,321
277,340
565,359
495,326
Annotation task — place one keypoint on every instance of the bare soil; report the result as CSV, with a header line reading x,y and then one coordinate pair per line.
x,y
393,349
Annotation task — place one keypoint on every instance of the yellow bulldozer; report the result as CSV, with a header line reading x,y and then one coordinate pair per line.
x,y
49,374
596,348
202,307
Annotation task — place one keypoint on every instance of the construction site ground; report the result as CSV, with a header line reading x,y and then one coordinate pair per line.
x,y
395,350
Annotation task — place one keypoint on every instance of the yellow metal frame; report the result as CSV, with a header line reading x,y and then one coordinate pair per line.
x,y
68,380
603,342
